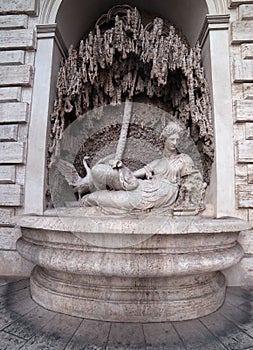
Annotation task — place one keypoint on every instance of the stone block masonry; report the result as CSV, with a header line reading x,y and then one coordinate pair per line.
x,y
242,79
17,44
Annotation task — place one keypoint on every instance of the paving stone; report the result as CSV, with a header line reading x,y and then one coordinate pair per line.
x,y
55,335
227,332
196,336
162,336
90,335
31,323
10,342
126,336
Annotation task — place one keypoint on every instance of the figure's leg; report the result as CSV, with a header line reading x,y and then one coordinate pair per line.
x,y
119,200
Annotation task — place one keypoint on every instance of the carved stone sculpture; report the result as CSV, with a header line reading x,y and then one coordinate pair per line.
x,y
154,187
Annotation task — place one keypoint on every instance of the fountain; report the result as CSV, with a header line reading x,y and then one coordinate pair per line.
x,y
127,236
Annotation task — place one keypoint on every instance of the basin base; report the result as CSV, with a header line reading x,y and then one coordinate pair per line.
x,y
128,299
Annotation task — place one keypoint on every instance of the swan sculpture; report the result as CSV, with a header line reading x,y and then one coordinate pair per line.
x,y
82,185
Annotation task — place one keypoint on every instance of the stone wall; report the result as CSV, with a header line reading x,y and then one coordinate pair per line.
x,y
17,51
242,91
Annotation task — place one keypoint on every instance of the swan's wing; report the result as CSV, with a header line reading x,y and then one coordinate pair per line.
x,y
68,171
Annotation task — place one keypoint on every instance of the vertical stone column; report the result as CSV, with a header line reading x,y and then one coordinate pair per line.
x,y
50,49
214,40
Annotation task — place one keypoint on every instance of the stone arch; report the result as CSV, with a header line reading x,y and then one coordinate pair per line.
x,y
50,8
80,17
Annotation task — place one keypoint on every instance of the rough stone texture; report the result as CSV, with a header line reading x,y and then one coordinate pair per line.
x,y
247,51
16,75
249,131
239,2
9,237
13,112
142,276
241,32
250,173
19,6
12,57
248,91
246,241
7,174
245,196
17,39
6,216
243,110
243,71
9,94
13,264
8,132
245,151
12,152
10,195
13,22
246,12
241,274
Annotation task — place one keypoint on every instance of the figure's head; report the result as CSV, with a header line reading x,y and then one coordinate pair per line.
x,y
171,135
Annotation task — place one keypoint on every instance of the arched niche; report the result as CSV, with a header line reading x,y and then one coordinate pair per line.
x,y
63,23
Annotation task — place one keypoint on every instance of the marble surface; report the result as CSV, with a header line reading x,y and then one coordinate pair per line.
x,y
135,269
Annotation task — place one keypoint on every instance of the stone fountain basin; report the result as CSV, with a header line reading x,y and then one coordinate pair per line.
x,y
129,268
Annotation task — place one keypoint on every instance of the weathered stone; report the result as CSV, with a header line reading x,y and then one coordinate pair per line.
x,y
19,6
13,264
10,195
13,112
245,151
12,57
242,273
249,131
120,255
243,110
16,75
13,21
250,173
246,12
245,196
241,173
9,237
8,132
233,3
243,71
17,39
9,94
248,91
12,152
7,174
246,241
247,51
6,217
241,32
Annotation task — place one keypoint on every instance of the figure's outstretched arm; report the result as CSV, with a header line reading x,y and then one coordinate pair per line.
x,y
145,172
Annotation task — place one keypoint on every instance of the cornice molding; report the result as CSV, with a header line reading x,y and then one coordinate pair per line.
x,y
47,31
213,22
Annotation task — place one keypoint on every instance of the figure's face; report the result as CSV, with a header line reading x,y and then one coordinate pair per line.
x,y
171,142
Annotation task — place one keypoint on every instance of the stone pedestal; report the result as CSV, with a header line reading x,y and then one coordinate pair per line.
x,y
129,269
